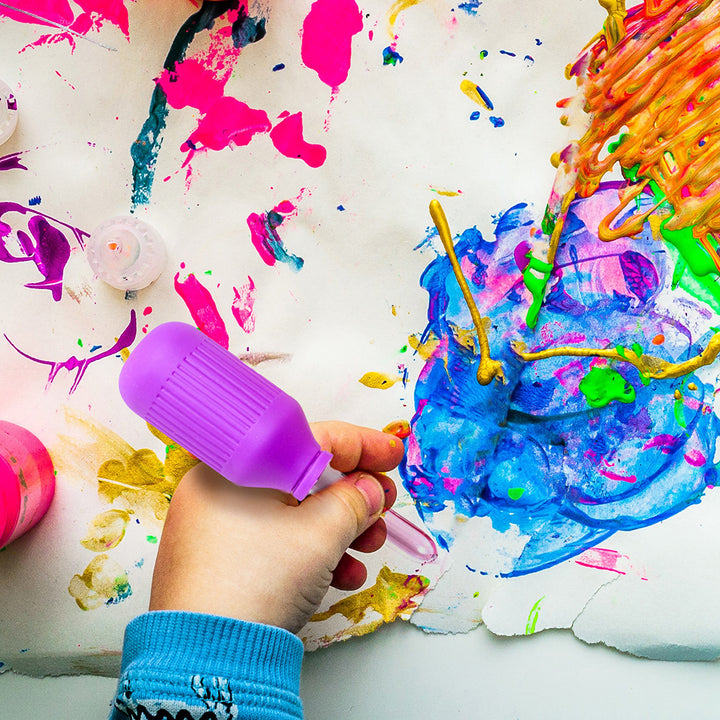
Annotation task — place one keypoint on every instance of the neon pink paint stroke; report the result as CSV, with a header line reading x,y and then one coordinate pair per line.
x,y
95,14
243,306
126,339
605,559
327,39
666,443
614,476
227,122
192,84
267,241
287,137
695,458
202,307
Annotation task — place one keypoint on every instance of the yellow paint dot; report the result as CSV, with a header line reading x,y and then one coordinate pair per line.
x,y
474,93
378,381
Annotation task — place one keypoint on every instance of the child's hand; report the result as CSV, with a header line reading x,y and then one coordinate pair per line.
x,y
258,555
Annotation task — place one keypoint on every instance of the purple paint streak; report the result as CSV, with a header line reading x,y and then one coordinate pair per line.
x,y
127,337
11,162
45,244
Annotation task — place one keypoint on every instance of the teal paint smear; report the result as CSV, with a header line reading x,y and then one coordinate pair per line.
x,y
145,149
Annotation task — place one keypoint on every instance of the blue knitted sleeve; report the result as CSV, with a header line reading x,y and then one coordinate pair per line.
x,y
188,666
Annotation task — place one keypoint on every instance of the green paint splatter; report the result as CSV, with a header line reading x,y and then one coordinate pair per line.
x,y
679,409
516,493
483,54
602,385
536,285
533,617
152,539
80,342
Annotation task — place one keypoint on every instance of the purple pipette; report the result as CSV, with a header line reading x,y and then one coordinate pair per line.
x,y
234,420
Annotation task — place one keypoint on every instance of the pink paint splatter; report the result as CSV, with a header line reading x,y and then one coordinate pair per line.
x,y
695,458
96,13
57,11
202,307
112,11
327,39
452,484
192,83
666,443
615,476
265,237
603,559
227,122
243,305
287,137
606,559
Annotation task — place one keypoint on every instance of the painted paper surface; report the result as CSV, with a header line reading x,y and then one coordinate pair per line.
x,y
288,157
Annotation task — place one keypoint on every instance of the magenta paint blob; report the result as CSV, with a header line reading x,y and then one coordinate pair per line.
x,y
287,137
27,481
203,309
327,39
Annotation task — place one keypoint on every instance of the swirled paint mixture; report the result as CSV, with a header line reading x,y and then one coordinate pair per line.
x,y
604,318
569,449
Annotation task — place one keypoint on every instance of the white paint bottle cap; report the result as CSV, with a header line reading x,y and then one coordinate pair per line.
x,y
8,112
126,252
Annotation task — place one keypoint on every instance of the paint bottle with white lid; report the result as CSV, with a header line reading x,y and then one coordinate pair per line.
x,y
126,253
27,481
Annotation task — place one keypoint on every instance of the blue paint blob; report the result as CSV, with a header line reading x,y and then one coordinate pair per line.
x,y
497,121
485,98
246,29
341,208
538,41
391,57
507,52
529,454
475,115
470,6
279,66
35,200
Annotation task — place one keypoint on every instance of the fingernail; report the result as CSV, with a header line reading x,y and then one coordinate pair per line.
x,y
373,492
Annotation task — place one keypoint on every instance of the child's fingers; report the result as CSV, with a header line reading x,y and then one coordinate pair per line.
x,y
350,574
372,539
357,447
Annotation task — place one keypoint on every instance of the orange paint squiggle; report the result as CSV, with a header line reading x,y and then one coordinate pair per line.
x,y
648,101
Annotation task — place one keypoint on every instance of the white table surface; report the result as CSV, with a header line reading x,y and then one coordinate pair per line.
x,y
551,675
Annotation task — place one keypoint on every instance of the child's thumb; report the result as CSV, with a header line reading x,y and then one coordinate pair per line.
x,y
348,507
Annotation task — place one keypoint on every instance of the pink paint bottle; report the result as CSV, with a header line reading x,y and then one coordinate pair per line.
x,y
27,481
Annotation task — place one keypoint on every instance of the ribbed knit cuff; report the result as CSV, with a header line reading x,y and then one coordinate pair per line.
x,y
194,663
